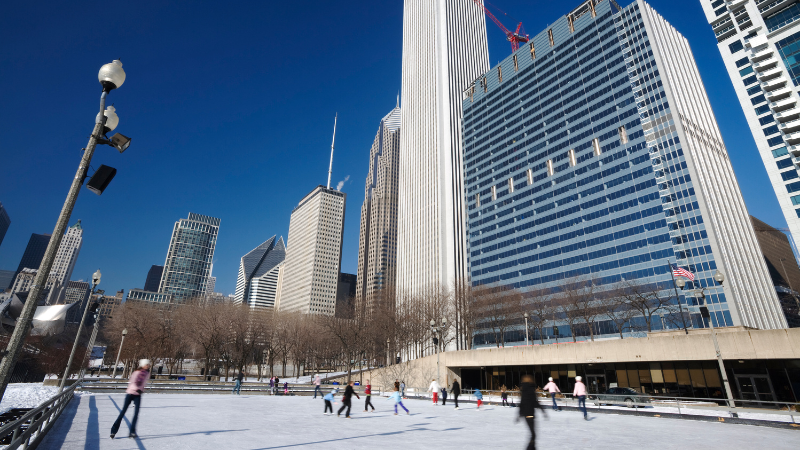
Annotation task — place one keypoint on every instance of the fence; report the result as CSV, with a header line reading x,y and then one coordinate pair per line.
x,y
28,431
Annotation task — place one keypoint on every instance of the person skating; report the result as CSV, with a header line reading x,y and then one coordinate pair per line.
x,y
397,384
237,387
133,393
403,389
478,397
456,391
580,393
347,400
317,388
398,400
434,389
553,389
272,385
444,396
504,396
277,385
528,403
329,398
285,388
368,396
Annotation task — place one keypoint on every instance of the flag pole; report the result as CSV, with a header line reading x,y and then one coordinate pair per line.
x,y
677,296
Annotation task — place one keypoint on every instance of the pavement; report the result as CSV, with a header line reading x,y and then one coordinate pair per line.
x,y
198,422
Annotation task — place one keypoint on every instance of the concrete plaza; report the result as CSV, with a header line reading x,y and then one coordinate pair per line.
x,y
185,421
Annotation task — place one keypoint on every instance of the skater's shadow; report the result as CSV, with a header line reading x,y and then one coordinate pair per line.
x,y
159,407
138,442
206,433
390,433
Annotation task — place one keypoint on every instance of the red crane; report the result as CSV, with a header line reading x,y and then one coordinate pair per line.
x,y
512,36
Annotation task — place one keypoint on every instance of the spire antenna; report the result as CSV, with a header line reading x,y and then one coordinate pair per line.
x,y
330,166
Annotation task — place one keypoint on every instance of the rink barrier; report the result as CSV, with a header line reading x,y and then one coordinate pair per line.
x,y
220,388
28,431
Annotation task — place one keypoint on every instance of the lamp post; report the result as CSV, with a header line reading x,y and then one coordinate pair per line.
x,y
436,331
111,76
526,327
388,360
95,282
700,294
124,333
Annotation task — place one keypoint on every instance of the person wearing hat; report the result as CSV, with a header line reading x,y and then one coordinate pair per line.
x,y
133,394
553,389
580,393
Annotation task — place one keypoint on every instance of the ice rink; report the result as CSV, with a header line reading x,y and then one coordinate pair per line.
x,y
185,421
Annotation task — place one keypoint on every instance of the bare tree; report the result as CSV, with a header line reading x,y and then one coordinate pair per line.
x,y
500,308
539,307
465,313
644,296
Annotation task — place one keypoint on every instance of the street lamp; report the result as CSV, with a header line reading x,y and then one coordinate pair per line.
x,y
700,294
124,333
526,327
111,76
95,281
436,332
388,360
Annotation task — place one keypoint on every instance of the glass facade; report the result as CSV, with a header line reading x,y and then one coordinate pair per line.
x,y
537,215
191,252
789,49
783,17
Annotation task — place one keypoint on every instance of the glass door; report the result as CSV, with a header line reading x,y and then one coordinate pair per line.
x,y
596,384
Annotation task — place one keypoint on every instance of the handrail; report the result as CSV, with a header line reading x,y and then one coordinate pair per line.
x,y
28,431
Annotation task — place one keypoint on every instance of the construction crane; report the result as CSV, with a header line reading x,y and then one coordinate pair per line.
x,y
515,37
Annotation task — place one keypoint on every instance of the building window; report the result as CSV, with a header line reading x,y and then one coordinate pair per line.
x,y
778,152
777,140
771,130
533,51
754,90
736,46
746,71
596,147
550,167
796,200
742,62
789,49
766,120
782,18
623,135
784,163
530,176
758,100
789,175
572,160
511,184
550,35
494,193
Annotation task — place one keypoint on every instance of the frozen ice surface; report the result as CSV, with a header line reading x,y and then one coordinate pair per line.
x,y
26,395
198,422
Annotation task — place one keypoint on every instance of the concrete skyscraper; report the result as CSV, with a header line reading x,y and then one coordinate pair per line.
x,y
609,175
377,244
64,263
444,49
760,45
189,259
314,253
257,284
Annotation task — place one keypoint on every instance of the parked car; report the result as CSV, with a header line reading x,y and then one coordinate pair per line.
x,y
622,396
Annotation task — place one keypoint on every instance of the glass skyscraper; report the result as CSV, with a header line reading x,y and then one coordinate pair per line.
x,y
593,151
189,259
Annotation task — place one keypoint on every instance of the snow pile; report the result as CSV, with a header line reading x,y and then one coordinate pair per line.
x,y
26,395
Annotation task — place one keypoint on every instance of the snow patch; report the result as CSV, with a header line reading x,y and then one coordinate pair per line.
x,y
26,395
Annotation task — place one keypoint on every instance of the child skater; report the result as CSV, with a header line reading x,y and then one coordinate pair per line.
x,y
329,401
479,397
398,400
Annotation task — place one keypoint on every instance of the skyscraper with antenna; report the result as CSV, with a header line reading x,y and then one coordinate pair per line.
x,y
314,250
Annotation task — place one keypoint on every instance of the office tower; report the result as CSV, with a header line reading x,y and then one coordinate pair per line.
x,y
593,152
24,280
64,262
346,295
109,305
759,42
444,49
34,252
5,222
140,295
191,252
212,284
783,269
6,279
377,243
314,253
153,278
257,283
76,291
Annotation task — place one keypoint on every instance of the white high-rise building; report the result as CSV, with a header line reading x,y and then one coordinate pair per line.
x,y
257,284
64,263
314,253
759,42
444,50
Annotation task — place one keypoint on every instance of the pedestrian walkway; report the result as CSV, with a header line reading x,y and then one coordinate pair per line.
x,y
199,422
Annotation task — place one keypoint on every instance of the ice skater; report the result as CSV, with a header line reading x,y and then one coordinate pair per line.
x,y
479,397
317,388
553,389
277,385
434,389
237,387
403,389
444,396
528,403
329,398
367,397
504,396
580,393
398,400
133,394
285,388
272,386
347,400
456,391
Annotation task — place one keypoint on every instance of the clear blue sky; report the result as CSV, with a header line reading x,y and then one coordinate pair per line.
x,y
230,107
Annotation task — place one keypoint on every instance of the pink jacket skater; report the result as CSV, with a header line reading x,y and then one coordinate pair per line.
x,y
580,393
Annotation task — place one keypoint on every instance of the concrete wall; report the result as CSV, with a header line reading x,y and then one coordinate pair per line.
x,y
735,343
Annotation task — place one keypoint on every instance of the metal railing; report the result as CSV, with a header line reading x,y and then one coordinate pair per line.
x,y
28,431
221,387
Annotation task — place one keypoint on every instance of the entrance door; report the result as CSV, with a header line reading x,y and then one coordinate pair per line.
x,y
756,388
596,384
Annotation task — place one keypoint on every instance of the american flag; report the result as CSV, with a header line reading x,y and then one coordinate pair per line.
x,y
681,272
